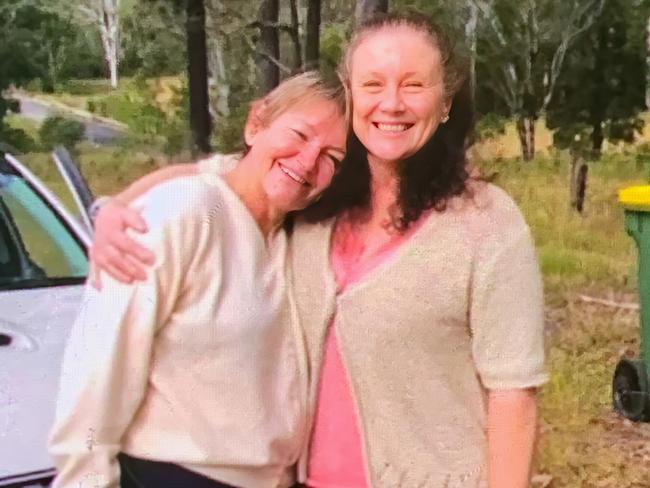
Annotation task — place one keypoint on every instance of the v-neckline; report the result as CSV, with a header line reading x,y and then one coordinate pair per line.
x,y
369,275
268,244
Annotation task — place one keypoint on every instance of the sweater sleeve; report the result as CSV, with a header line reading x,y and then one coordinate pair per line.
x,y
106,363
506,310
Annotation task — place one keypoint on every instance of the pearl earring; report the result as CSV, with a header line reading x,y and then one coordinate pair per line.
x,y
444,119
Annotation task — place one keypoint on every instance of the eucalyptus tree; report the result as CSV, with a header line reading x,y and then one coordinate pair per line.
x,y
105,16
521,53
601,93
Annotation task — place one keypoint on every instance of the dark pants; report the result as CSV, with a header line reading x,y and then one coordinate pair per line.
x,y
142,473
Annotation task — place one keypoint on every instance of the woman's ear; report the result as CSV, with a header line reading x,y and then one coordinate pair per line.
x,y
446,108
254,121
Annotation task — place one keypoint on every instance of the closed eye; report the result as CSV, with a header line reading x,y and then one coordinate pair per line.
x,y
299,134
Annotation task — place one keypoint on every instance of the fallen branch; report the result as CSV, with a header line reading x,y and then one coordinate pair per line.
x,y
609,303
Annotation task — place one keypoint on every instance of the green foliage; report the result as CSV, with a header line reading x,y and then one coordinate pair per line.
x,y
19,42
601,91
452,15
643,154
58,130
17,66
133,105
332,39
575,137
16,140
153,41
490,125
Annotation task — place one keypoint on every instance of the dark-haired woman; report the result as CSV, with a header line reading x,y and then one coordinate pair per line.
x,y
416,285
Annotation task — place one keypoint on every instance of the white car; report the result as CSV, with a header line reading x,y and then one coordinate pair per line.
x,y
43,266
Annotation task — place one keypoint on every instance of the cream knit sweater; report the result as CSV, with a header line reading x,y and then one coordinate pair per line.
x,y
200,364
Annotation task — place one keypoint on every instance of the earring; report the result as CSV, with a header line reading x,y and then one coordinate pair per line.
x,y
445,119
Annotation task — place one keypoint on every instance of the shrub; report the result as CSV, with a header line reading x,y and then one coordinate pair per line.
x,y
58,130
490,126
13,105
16,140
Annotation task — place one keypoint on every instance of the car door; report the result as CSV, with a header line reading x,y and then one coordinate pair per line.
x,y
43,266
76,183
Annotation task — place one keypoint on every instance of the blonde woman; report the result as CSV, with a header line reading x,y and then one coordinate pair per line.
x,y
196,375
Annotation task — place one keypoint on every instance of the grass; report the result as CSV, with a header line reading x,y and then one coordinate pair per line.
x,y
30,127
108,169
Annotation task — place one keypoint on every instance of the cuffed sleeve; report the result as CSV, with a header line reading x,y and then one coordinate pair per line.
x,y
506,310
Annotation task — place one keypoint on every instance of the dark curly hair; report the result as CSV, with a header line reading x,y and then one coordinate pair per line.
x,y
437,171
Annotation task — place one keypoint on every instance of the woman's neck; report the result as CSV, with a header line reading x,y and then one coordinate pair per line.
x,y
384,190
254,198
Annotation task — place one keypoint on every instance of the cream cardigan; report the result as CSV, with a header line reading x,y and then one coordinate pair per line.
x,y
457,310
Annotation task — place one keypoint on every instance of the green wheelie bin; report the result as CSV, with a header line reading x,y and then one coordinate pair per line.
x,y
630,384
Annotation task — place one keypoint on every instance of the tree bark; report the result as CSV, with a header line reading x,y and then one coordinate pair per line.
x,y
312,44
197,71
578,190
295,37
470,36
269,46
367,8
597,139
526,132
107,17
219,82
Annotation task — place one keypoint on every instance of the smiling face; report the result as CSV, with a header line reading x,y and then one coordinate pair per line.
x,y
398,93
298,152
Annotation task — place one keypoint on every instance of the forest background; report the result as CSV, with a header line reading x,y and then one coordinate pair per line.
x,y
562,92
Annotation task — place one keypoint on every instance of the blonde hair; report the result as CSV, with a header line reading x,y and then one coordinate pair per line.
x,y
299,89
454,73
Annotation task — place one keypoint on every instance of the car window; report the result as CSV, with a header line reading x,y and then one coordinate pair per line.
x,y
36,248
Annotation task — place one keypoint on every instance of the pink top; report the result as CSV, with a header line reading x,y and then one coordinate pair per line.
x,y
336,456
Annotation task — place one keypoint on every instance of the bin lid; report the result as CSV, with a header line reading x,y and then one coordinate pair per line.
x,y
635,197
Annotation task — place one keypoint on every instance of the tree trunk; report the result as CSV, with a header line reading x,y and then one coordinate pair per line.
x,y
579,171
269,46
49,82
597,138
312,44
526,132
470,36
197,71
112,64
219,83
295,37
107,16
367,8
